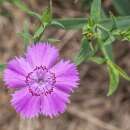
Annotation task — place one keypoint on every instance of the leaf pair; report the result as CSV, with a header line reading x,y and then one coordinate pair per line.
x,y
114,73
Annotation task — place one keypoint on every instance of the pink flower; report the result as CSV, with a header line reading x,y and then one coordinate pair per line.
x,y
43,83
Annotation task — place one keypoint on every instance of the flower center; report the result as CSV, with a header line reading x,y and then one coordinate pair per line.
x,y
40,81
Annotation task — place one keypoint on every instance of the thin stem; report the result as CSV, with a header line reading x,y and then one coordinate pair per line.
x,y
39,37
101,42
103,49
50,5
105,53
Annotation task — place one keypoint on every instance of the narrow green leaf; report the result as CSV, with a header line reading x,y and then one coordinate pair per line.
x,y
98,60
114,72
121,22
2,66
106,50
38,32
114,22
53,40
46,17
114,80
85,51
110,40
96,10
109,51
78,23
57,24
108,47
122,6
72,23
120,70
34,14
123,73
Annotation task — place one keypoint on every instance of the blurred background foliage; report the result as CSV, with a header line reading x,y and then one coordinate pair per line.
x,y
117,7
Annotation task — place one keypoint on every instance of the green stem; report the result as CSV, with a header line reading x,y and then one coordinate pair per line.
x,y
101,43
105,53
103,49
41,34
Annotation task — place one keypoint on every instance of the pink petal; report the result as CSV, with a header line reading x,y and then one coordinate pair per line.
x,y
27,105
42,54
15,73
54,104
67,76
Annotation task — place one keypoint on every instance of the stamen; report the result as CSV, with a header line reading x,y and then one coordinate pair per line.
x,y
40,81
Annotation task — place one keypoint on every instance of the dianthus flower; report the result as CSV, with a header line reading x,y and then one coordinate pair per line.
x,y
42,82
